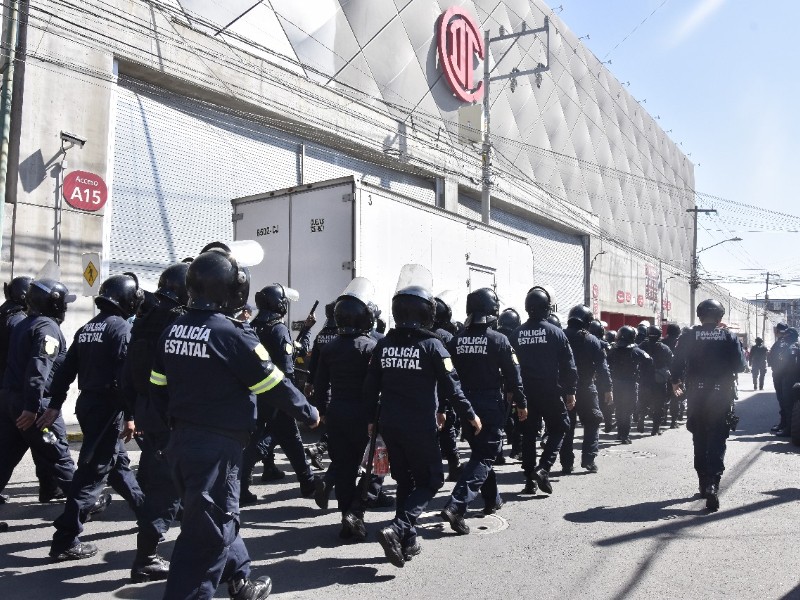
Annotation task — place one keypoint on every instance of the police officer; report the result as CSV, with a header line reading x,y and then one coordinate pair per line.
x,y
208,370
315,453
38,348
341,369
96,357
758,363
448,435
507,322
484,358
597,329
677,403
789,376
404,372
673,333
626,361
277,427
12,311
590,360
161,498
655,393
641,332
707,359
550,379
777,359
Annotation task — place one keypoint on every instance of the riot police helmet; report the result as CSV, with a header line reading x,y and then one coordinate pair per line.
x,y
172,283
352,316
444,313
611,336
759,341
508,320
330,318
49,298
553,319
653,333
375,314
626,335
791,335
641,330
537,303
413,307
579,316
673,330
710,312
482,306
120,293
16,290
596,329
216,282
271,300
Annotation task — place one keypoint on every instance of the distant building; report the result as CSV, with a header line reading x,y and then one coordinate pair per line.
x,y
790,307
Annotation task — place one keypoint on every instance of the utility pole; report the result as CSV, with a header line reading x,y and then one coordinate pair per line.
x,y
486,153
694,282
766,303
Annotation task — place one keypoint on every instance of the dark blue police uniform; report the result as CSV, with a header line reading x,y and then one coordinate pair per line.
x,y
707,359
778,360
654,394
590,360
448,434
758,365
626,365
484,360
406,367
38,348
96,357
207,373
548,373
342,368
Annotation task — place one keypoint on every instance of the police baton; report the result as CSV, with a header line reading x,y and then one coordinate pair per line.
x,y
86,457
370,456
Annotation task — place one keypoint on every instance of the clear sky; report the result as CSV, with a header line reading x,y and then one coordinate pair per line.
x,y
724,76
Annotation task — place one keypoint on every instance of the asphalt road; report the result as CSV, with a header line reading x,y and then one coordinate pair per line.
x,y
637,529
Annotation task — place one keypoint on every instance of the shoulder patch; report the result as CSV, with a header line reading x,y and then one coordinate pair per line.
x,y
288,348
51,346
448,364
261,352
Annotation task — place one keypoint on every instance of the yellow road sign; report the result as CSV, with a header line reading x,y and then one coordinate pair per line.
x,y
90,273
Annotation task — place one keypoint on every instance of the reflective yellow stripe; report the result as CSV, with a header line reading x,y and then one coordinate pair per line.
x,y
268,382
157,378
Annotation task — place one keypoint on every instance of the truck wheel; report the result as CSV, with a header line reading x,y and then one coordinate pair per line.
x,y
796,423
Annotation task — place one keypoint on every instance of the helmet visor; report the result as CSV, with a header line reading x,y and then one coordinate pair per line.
x,y
360,288
414,275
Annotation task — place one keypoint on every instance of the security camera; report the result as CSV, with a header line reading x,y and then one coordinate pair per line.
x,y
72,139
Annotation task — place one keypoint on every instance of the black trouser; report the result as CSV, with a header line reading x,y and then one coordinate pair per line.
x,y
626,395
588,409
53,461
347,438
787,401
278,428
448,436
161,499
652,400
552,409
707,411
608,411
777,380
102,457
759,372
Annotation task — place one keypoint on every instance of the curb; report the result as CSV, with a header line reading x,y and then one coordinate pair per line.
x,y
74,436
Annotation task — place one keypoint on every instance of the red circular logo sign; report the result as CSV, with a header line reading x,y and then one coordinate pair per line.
x,y
640,300
621,297
458,40
85,191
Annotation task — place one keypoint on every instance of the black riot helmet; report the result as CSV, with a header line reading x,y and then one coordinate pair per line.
x,y
272,302
673,330
537,303
626,335
579,316
508,320
444,314
413,307
352,316
611,336
553,319
17,289
596,329
49,298
482,306
120,293
653,333
641,331
172,283
375,314
216,282
330,319
759,341
710,312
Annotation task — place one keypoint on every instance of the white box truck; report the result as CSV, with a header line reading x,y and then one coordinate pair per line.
x,y
316,237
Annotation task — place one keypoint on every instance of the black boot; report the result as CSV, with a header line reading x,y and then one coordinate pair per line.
x,y
250,589
712,497
702,479
149,567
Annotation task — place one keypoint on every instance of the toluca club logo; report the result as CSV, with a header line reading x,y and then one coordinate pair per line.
x,y
458,40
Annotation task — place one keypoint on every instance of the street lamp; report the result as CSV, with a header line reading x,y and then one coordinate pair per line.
x,y
694,281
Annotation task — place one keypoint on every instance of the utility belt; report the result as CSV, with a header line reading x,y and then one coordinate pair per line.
x,y
243,437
